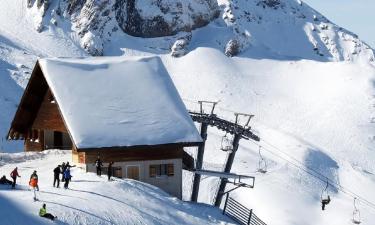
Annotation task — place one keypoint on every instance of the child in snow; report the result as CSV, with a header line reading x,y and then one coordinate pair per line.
x,y
98,164
34,177
67,177
34,184
43,213
14,174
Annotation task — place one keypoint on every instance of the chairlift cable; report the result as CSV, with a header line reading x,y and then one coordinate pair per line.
x,y
318,176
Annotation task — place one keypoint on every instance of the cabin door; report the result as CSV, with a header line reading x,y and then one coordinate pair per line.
x,y
132,172
58,139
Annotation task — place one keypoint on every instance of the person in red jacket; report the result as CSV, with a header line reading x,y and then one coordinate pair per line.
x,y
14,174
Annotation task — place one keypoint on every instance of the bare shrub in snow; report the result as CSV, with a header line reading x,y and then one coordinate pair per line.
x,y
232,48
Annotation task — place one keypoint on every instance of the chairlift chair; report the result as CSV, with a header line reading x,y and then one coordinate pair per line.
x,y
356,214
325,199
262,164
226,143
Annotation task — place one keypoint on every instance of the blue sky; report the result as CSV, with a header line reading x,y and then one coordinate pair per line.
x,y
357,16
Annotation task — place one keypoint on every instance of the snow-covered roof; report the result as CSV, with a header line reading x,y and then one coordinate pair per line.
x,y
118,101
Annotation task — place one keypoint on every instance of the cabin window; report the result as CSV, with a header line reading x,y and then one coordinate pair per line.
x,y
160,170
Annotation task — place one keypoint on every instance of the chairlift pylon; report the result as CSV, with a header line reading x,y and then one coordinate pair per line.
x,y
226,143
325,199
356,213
262,164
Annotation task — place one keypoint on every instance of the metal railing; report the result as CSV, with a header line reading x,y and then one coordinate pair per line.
x,y
240,213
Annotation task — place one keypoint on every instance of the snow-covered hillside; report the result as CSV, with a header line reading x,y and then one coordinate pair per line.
x,y
91,199
309,83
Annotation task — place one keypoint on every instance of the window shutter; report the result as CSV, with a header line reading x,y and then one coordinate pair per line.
x,y
152,170
170,169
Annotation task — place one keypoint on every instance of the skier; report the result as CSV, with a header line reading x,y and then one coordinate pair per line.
x,y
14,174
34,184
56,177
67,178
43,213
98,164
110,168
35,176
4,180
63,168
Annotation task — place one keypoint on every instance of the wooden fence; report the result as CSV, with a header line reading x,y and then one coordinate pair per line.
x,y
240,213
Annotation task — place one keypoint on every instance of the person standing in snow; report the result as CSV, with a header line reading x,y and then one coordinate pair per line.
x,y
67,165
14,174
43,213
34,184
67,178
98,164
110,170
34,176
63,168
56,176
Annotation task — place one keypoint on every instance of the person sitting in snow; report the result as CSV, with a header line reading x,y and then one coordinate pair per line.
x,y
43,213
4,180
67,178
14,174
98,165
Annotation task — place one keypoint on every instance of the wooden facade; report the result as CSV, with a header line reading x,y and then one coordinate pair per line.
x,y
49,117
37,113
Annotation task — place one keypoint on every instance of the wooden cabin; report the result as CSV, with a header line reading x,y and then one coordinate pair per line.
x,y
125,110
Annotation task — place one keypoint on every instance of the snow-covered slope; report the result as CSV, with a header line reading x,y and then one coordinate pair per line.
x,y
91,199
314,114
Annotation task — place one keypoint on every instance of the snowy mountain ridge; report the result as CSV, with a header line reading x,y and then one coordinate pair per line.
x,y
280,28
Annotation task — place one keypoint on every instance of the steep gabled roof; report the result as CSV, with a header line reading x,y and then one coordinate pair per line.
x,y
117,101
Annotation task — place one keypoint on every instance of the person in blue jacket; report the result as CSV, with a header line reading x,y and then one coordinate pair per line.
x,y
67,177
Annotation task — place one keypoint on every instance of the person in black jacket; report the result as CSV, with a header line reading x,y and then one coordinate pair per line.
x,y
63,168
110,170
56,176
98,165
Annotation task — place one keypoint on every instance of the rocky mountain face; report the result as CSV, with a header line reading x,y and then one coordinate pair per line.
x,y
280,28
95,20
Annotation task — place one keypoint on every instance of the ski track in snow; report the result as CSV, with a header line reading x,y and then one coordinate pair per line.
x,y
93,200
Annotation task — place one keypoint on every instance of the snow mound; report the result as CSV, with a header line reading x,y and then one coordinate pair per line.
x,y
93,200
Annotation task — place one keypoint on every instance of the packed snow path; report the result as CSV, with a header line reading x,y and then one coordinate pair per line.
x,y
91,199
